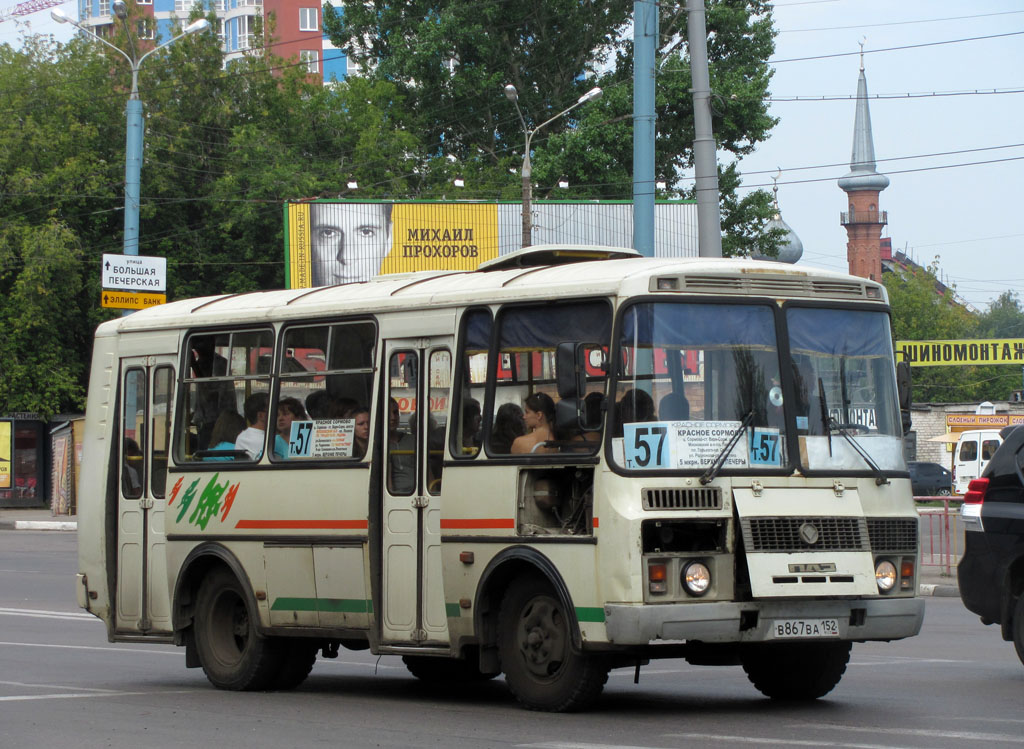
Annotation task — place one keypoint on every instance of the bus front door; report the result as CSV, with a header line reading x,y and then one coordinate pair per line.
x,y
147,391
418,382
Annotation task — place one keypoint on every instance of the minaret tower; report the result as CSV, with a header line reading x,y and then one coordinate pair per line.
x,y
863,221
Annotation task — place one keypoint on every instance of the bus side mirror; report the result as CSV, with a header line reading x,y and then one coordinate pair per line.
x,y
903,388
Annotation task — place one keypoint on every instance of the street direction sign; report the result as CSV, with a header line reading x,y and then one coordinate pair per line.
x,y
134,273
131,299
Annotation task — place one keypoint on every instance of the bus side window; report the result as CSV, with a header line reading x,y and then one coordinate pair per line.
x,y
133,434
223,370
467,432
160,420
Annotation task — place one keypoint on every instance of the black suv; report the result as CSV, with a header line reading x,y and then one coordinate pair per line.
x,y
991,572
929,479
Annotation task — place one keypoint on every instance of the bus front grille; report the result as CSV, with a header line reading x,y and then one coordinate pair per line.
x,y
804,534
893,534
702,498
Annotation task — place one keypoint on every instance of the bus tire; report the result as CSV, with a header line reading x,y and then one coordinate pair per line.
x,y
796,671
231,651
440,670
542,669
297,658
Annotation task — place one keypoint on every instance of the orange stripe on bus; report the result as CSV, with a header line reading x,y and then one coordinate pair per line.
x,y
337,525
478,523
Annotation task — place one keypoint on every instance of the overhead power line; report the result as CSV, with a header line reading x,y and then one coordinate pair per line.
x,y
893,49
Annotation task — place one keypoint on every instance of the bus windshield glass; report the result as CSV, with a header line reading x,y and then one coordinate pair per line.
x,y
844,384
698,384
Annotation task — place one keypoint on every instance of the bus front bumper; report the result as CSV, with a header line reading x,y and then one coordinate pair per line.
x,y
761,621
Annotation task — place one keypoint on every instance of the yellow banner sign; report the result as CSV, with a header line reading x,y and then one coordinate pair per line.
x,y
961,353
5,455
960,422
131,299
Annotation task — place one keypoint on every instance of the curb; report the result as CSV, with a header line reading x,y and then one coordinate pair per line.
x,y
39,525
939,590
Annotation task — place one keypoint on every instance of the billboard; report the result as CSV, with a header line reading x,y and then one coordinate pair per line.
x,y
332,241
5,455
961,353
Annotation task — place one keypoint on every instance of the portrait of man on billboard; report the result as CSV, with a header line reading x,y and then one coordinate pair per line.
x,y
347,241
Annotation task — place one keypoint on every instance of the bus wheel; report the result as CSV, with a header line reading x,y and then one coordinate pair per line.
x,y
1018,627
437,670
232,653
796,671
541,667
297,658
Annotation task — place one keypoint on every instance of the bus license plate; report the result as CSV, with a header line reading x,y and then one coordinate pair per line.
x,y
799,628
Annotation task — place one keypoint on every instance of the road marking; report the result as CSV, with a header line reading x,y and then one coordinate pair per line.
x,y
176,652
72,615
29,697
929,732
777,742
578,745
54,686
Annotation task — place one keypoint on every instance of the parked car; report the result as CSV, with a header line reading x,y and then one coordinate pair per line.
x,y
991,571
929,479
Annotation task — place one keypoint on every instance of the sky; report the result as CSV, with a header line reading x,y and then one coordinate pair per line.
x,y
971,218
942,204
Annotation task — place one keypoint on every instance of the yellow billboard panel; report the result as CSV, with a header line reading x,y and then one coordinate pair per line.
x,y
340,242
131,299
5,455
961,353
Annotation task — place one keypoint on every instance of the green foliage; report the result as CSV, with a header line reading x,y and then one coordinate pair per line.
x,y
452,58
923,311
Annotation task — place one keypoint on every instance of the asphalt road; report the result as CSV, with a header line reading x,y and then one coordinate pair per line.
x,y
63,685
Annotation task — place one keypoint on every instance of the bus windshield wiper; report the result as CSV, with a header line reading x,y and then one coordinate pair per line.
x,y
880,477
719,461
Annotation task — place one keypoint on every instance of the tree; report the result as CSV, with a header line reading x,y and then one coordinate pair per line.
x,y
922,310
451,59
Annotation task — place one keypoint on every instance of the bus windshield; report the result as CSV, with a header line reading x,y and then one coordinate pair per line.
x,y
707,384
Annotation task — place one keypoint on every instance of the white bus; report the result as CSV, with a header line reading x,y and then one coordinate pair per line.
x,y
715,472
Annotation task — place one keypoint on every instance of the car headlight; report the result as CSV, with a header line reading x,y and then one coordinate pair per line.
x,y
696,578
885,575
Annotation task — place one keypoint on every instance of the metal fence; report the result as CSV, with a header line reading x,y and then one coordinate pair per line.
x,y
942,533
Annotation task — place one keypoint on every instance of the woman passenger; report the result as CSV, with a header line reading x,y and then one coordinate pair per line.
x,y
361,437
508,424
288,410
539,416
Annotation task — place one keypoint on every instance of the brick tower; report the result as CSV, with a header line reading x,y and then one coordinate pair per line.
x,y
863,221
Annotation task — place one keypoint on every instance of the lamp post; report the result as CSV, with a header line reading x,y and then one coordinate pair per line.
x,y
133,113
513,96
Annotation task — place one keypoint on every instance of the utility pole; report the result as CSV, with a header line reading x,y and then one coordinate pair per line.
x,y
709,223
645,45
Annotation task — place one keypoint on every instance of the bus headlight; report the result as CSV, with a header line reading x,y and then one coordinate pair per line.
x,y
885,575
696,578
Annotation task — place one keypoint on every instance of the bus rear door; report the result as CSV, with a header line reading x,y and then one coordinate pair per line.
x,y
147,391
417,385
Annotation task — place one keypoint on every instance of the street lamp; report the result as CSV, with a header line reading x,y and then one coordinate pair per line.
x,y
133,112
513,96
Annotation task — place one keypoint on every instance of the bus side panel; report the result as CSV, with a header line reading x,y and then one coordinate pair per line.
x,y
96,503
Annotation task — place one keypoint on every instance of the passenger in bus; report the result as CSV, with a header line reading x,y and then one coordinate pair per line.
x,y
539,416
471,421
674,407
508,425
288,410
210,397
401,454
253,437
348,242
131,476
318,404
361,437
636,405
225,431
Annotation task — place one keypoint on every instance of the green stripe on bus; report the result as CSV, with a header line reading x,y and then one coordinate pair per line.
x,y
589,614
452,610
327,605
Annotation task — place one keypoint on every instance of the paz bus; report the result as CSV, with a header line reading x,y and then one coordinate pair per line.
x,y
716,473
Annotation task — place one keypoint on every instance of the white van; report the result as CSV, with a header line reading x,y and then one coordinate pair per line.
x,y
974,450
